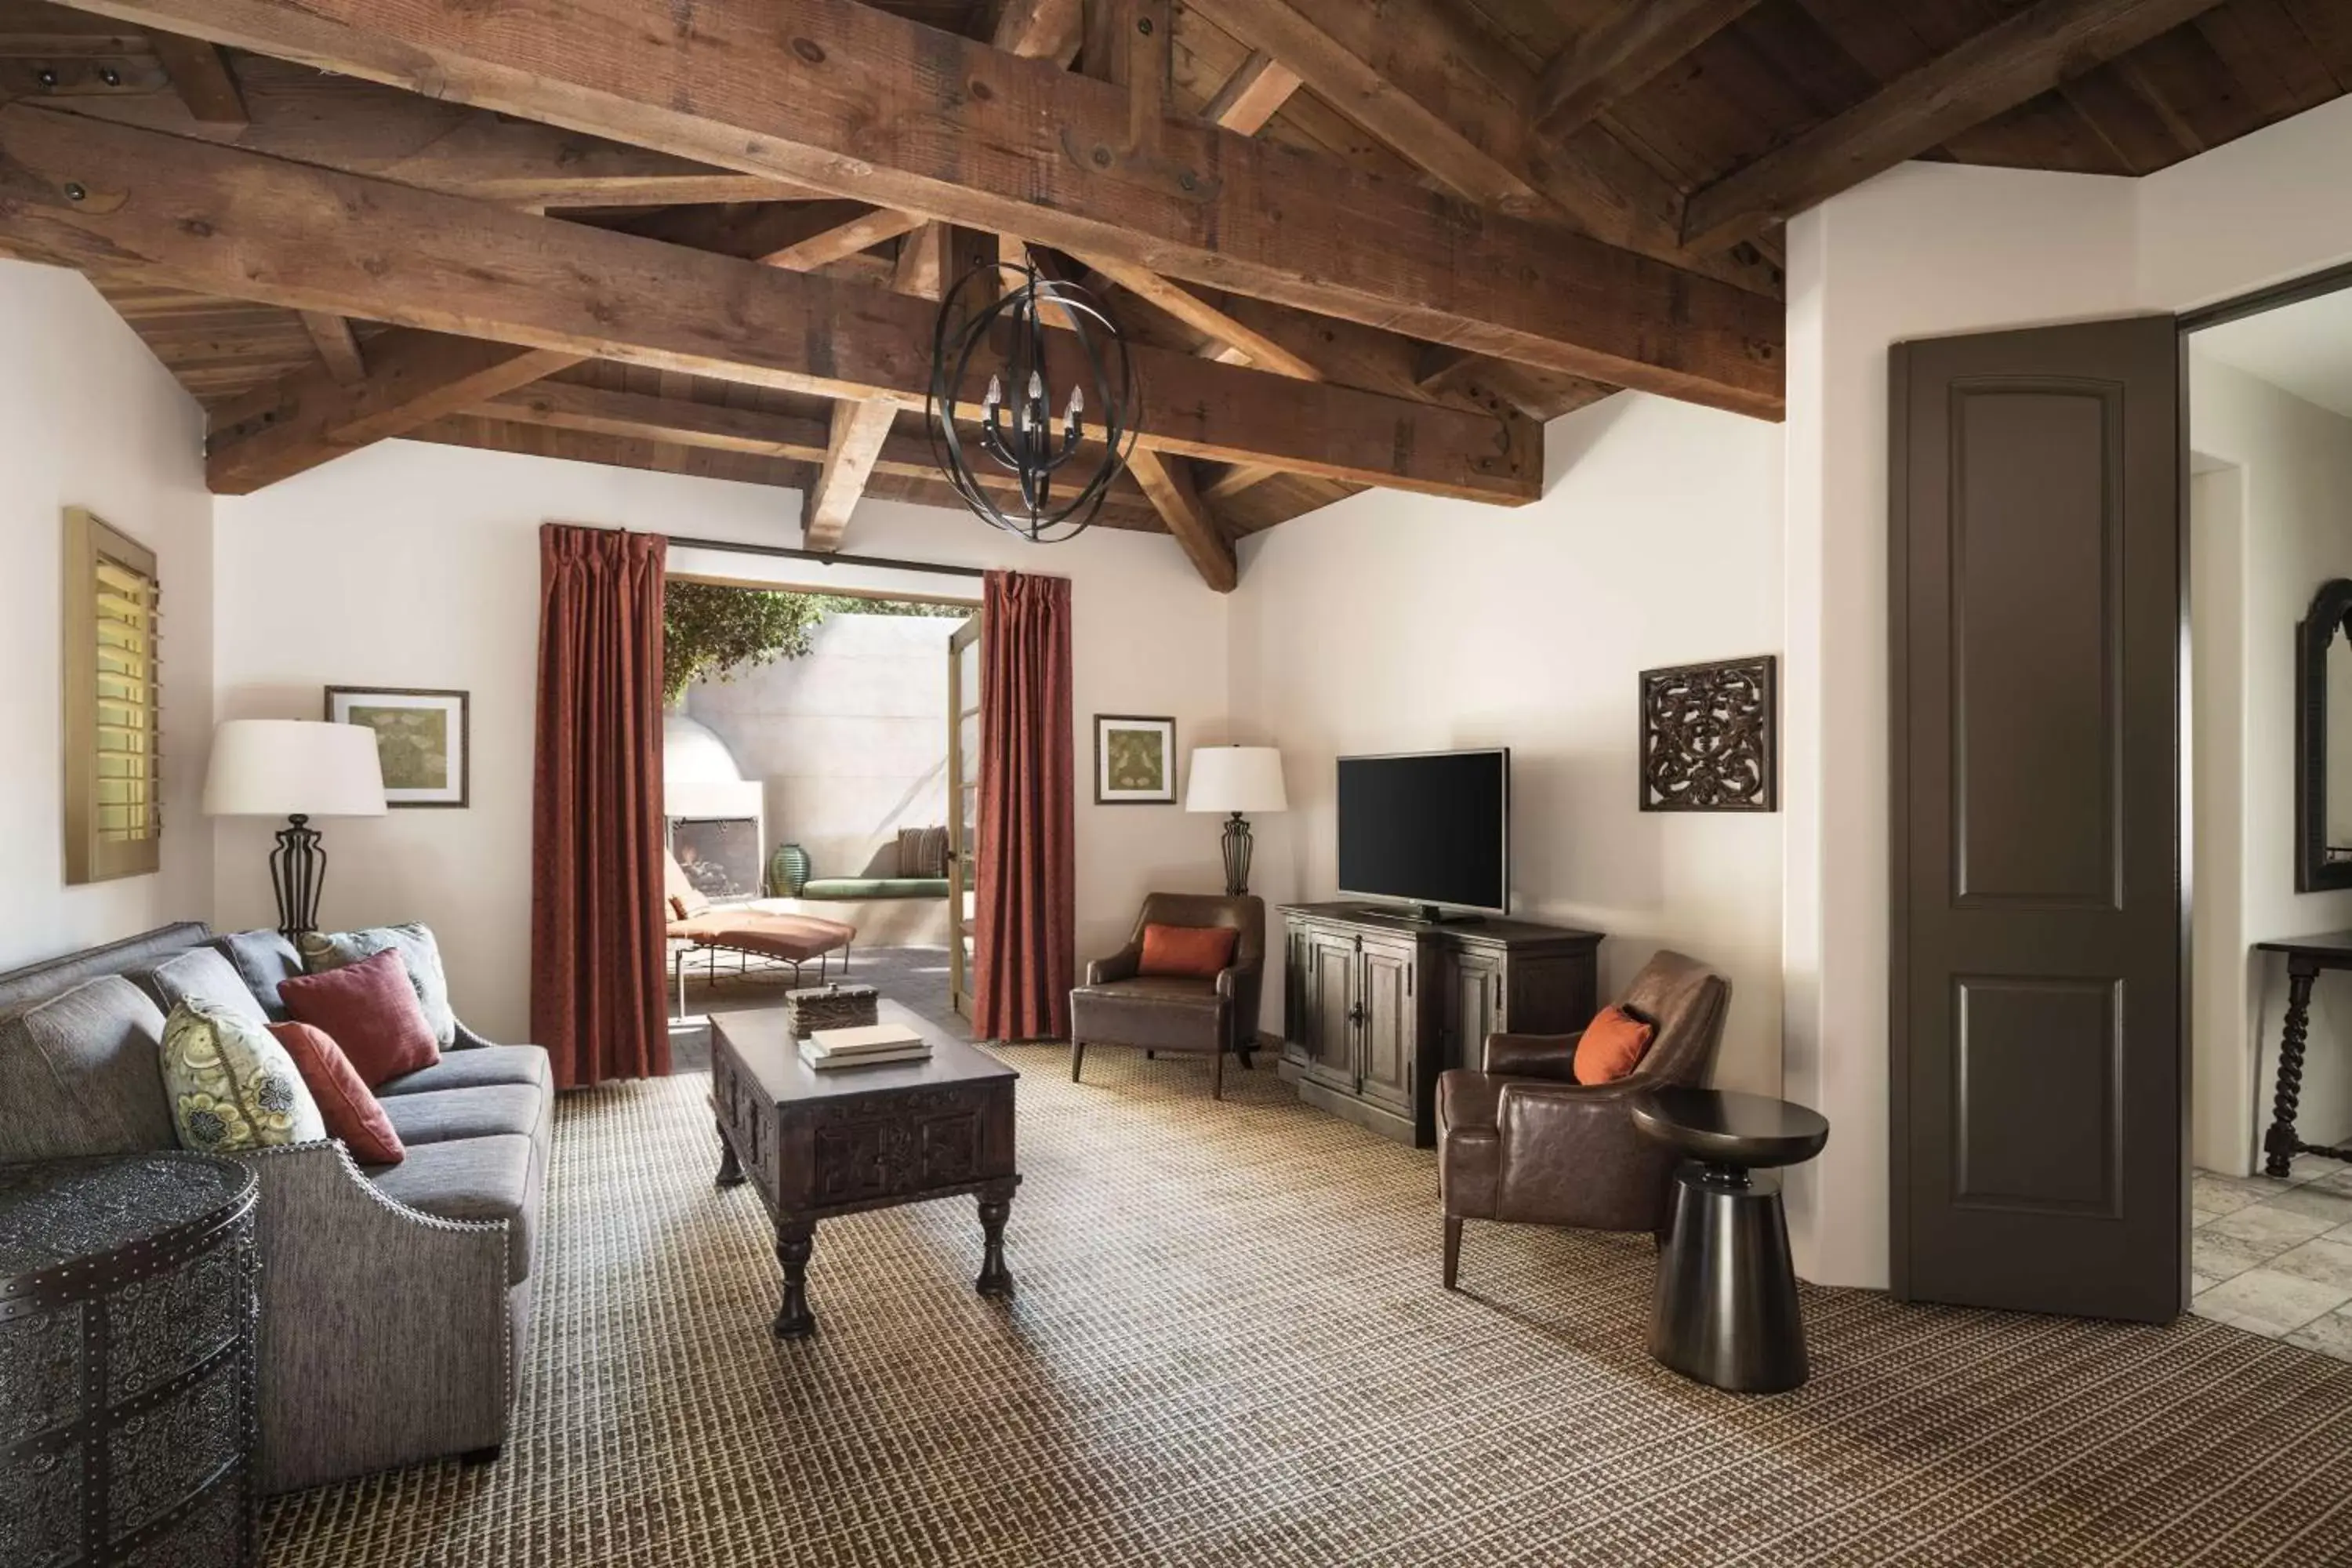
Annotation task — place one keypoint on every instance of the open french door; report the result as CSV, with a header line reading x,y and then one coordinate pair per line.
x,y
2038,1050
963,811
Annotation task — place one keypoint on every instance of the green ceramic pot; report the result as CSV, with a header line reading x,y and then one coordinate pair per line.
x,y
787,871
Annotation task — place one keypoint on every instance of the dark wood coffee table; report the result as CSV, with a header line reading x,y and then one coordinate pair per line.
x,y
816,1144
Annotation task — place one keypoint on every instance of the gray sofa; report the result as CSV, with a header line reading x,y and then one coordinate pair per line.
x,y
395,1301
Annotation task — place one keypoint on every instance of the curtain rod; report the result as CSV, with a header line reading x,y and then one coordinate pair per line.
x,y
824,558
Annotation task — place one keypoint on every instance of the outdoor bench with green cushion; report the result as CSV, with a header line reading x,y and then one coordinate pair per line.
x,y
834,888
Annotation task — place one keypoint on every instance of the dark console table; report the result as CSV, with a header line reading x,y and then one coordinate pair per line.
x,y
2306,956
1726,1311
1376,1004
127,1316
817,1144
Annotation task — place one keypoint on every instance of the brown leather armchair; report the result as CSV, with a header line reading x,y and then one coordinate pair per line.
x,y
1117,1007
1521,1141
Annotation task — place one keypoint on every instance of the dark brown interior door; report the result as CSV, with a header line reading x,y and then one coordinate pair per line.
x,y
2038,1071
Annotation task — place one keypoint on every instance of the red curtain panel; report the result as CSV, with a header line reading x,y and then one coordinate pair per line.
x,y
596,926
1028,924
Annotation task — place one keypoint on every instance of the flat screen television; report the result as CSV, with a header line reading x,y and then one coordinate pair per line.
x,y
1429,829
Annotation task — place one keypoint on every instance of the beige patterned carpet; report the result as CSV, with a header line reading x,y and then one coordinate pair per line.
x,y
1230,1347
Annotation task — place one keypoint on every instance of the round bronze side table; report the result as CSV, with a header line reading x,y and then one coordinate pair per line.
x,y
1727,1307
128,1311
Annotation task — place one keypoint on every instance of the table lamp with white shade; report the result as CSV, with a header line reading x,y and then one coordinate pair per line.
x,y
1236,779
298,769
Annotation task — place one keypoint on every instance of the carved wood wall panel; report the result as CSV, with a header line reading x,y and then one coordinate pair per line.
x,y
1710,736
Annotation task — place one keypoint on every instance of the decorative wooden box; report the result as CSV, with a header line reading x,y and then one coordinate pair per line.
x,y
128,1312
817,1007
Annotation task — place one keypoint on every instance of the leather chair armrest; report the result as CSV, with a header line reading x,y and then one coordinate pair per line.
x,y
1531,1056
1119,965
1571,1155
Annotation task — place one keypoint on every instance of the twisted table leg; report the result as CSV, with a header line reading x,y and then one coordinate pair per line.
x,y
2279,1142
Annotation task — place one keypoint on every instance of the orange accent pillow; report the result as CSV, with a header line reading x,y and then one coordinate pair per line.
x,y
350,1112
1612,1045
1186,952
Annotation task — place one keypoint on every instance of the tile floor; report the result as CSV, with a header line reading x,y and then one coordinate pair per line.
x,y
2274,1258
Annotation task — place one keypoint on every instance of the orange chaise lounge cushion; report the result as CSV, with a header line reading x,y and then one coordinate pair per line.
x,y
1186,952
1612,1045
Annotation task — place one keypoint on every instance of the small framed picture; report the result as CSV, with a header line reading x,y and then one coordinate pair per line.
x,y
422,737
1135,761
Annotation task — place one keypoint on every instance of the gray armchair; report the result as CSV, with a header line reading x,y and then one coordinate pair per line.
x,y
1519,1140
1119,1006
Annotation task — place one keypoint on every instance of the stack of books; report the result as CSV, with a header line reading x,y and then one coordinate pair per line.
x,y
862,1046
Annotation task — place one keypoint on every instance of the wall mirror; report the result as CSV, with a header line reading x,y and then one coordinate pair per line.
x,y
2323,741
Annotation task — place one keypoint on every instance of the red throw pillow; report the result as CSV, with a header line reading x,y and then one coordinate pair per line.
x,y
351,1113
1612,1045
370,1011
1187,952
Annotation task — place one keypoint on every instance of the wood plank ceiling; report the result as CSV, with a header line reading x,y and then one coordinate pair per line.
x,y
1388,236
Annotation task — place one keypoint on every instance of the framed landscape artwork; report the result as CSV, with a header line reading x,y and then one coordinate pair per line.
x,y
422,738
1135,761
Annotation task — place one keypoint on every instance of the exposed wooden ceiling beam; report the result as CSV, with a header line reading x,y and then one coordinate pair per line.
x,y
566,405
1499,384
337,349
1169,482
744,468
856,441
364,129
1251,345
799,236
1619,57
843,98
1041,29
311,418
220,221
1422,80
200,75
1252,95
1996,70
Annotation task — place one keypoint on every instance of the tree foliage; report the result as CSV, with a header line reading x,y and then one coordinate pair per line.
x,y
712,631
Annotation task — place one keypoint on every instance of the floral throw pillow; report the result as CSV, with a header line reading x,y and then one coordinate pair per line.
x,y
419,954
231,1085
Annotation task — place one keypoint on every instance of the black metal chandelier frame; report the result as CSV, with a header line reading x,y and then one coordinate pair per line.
x,y
1012,335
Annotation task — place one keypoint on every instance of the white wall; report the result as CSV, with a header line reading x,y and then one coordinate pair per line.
x,y
88,418
1392,622
1923,251
850,740
412,564
2276,489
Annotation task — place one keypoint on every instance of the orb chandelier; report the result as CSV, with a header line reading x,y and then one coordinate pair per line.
x,y
1061,466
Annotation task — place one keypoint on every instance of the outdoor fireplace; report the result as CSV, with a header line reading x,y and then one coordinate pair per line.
x,y
720,855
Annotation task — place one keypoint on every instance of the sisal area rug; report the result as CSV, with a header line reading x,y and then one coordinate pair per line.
x,y
1230,1347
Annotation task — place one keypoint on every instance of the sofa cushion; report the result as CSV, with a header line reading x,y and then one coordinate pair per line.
x,y
420,956
438,1115
350,1112
232,1087
203,976
1611,1046
473,1178
262,960
370,1009
82,1074
481,1064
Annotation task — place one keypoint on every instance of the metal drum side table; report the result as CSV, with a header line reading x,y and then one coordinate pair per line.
x,y
127,1309
1727,1307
